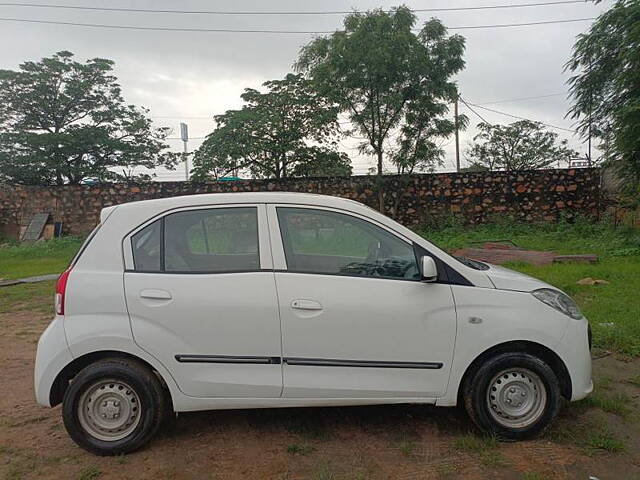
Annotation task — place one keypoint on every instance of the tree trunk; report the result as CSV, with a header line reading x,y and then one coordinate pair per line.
x,y
380,188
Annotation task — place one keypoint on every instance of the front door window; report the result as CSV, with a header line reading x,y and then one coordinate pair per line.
x,y
327,242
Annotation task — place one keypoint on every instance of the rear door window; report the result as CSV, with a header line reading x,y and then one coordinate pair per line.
x,y
212,240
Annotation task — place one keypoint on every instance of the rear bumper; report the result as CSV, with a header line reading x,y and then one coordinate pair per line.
x,y
52,356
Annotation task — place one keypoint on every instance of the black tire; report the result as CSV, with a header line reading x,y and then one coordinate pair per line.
x,y
146,388
477,396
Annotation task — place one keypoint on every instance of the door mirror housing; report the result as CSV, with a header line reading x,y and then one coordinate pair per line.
x,y
429,269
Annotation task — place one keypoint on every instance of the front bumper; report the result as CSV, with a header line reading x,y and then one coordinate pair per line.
x,y
574,349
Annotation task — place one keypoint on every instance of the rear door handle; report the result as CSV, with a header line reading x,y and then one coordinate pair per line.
x,y
156,294
302,304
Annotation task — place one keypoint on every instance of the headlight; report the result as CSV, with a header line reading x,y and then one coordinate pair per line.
x,y
558,300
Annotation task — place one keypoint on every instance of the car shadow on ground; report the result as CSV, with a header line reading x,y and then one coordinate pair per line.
x,y
324,422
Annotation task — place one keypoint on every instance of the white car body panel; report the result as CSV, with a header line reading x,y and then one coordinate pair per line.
x,y
371,320
223,319
100,317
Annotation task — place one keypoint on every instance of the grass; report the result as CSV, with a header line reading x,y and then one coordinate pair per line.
x,y
33,297
581,236
604,441
53,256
635,380
618,403
324,471
592,436
90,473
535,476
483,447
613,310
300,449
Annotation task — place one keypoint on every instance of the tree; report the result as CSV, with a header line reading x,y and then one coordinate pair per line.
x,y
604,87
288,131
62,121
522,145
420,142
389,80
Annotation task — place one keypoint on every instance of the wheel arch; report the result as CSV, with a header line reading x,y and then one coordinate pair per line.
x,y
520,346
61,382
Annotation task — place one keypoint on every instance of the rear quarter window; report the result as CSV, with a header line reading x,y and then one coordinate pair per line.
x,y
146,248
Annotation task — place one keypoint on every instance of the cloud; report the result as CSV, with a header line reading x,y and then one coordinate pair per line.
x,y
202,74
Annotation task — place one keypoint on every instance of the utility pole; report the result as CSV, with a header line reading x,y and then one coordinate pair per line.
x,y
589,163
184,135
455,113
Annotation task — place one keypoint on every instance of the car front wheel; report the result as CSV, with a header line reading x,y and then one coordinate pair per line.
x,y
513,396
113,406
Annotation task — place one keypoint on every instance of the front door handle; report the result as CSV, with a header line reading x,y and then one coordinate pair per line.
x,y
155,294
302,304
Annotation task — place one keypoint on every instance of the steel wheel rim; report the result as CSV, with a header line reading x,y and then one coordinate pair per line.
x,y
109,410
516,397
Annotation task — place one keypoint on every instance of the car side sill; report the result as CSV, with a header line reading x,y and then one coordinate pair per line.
x,y
192,404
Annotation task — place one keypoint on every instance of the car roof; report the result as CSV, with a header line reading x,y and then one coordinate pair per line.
x,y
161,204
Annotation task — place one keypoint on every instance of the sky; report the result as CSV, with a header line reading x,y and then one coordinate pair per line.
x,y
191,76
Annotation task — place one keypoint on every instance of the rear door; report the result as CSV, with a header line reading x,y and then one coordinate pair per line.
x,y
201,297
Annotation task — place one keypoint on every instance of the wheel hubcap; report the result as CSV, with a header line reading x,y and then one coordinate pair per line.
x,y
516,397
109,410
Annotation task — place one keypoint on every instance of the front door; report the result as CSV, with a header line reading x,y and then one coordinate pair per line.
x,y
357,321
202,300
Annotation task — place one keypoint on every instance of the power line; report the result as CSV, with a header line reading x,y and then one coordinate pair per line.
x,y
299,32
477,114
227,12
517,117
522,99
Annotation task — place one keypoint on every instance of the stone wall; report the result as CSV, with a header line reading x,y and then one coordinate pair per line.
x,y
539,195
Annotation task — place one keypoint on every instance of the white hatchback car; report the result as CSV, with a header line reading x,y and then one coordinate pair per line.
x,y
252,300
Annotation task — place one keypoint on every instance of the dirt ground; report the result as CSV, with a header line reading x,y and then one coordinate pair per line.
x,y
600,437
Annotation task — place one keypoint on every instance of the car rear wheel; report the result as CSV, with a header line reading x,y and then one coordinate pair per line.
x,y
513,396
113,406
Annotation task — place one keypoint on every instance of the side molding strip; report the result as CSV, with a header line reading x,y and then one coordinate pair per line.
x,y
329,362
227,359
308,362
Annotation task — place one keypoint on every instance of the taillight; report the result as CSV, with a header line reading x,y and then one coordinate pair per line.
x,y
61,287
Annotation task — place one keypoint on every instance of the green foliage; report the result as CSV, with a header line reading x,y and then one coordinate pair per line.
x,y
270,136
390,81
33,297
635,380
605,441
582,235
300,449
90,473
62,121
604,86
53,256
522,145
534,476
483,447
619,403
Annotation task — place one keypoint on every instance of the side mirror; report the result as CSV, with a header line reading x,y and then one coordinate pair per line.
x,y
429,269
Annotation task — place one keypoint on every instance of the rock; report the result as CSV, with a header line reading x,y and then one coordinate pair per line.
x,y
592,281
584,258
